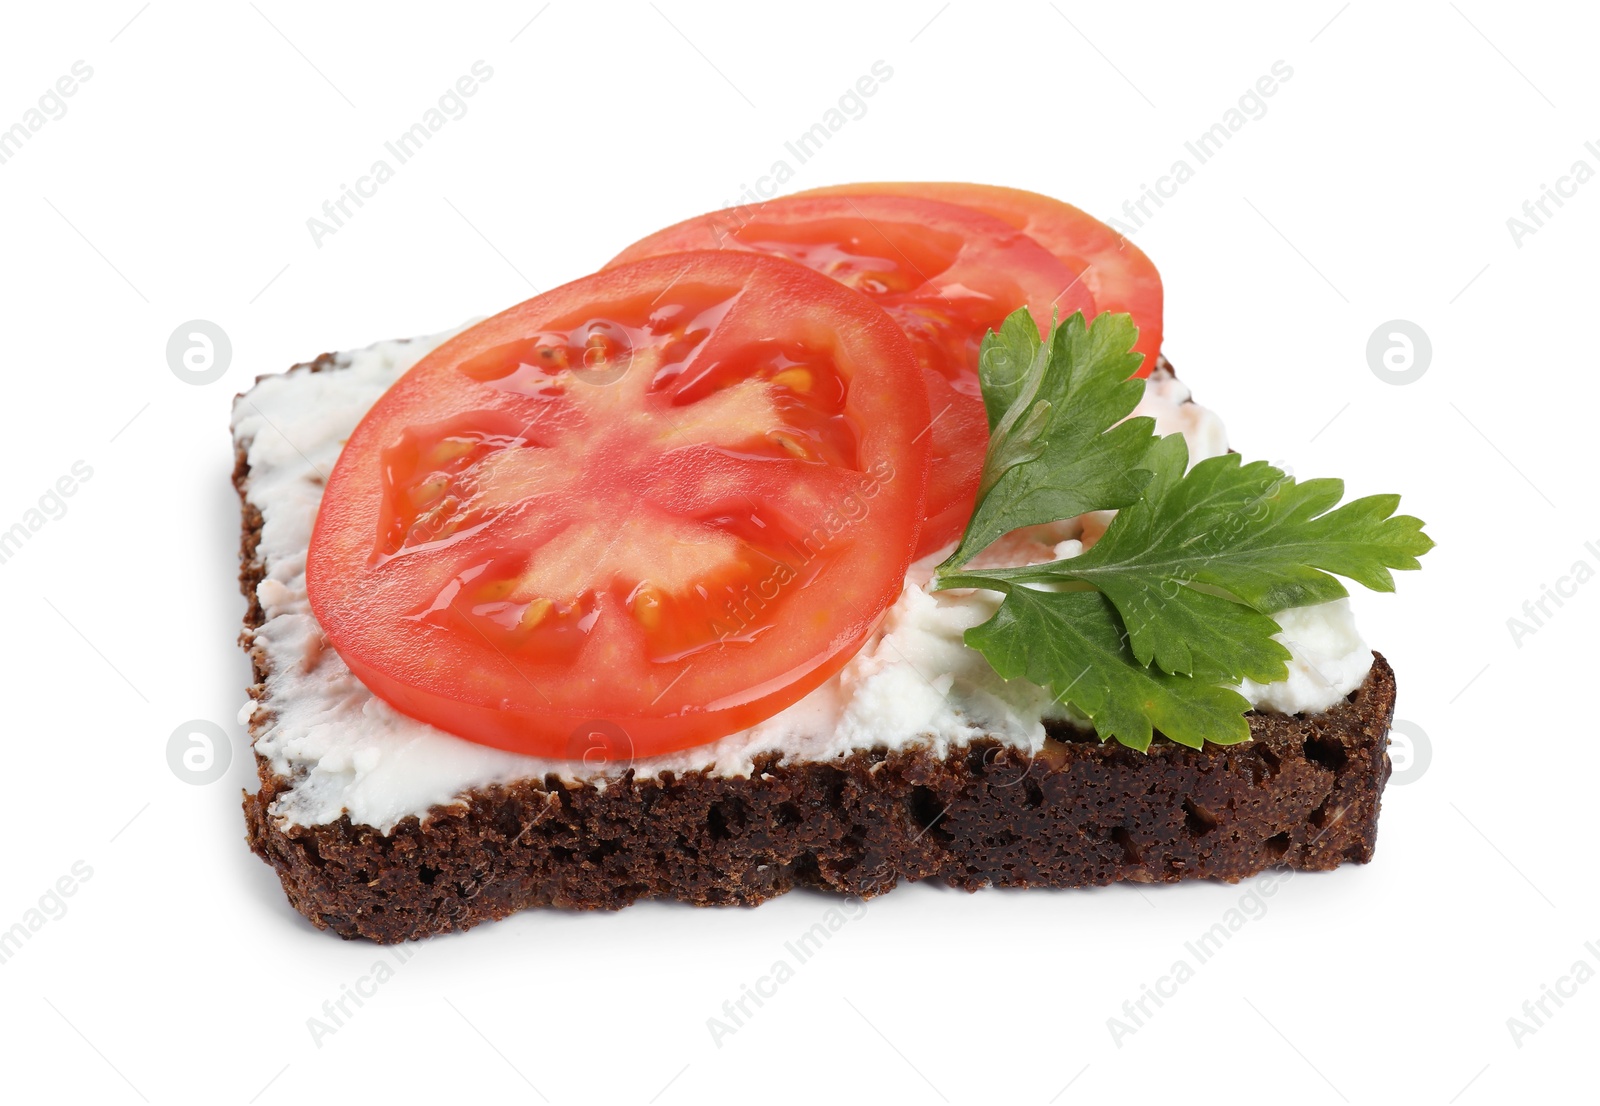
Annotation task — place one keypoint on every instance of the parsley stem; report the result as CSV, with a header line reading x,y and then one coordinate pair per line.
x,y
1002,579
981,580
1005,579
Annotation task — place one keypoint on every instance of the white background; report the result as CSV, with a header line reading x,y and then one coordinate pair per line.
x,y
1377,186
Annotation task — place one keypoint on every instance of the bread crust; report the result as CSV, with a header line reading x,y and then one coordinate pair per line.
x,y
1304,793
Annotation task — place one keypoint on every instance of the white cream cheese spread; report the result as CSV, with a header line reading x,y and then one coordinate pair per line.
x,y
915,683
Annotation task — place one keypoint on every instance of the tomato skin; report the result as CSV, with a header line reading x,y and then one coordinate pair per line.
x,y
1116,272
946,273
846,499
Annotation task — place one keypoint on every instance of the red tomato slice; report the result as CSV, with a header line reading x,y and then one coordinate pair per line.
x,y
947,274
672,498
1116,272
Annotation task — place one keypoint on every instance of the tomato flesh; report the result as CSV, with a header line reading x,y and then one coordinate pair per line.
x,y
666,500
1116,272
947,274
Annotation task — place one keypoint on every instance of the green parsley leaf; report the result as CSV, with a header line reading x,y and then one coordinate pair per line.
x,y
1072,644
1006,360
1060,447
1188,573
1251,531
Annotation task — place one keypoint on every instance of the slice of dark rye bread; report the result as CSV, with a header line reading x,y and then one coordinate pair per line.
x,y
1303,793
